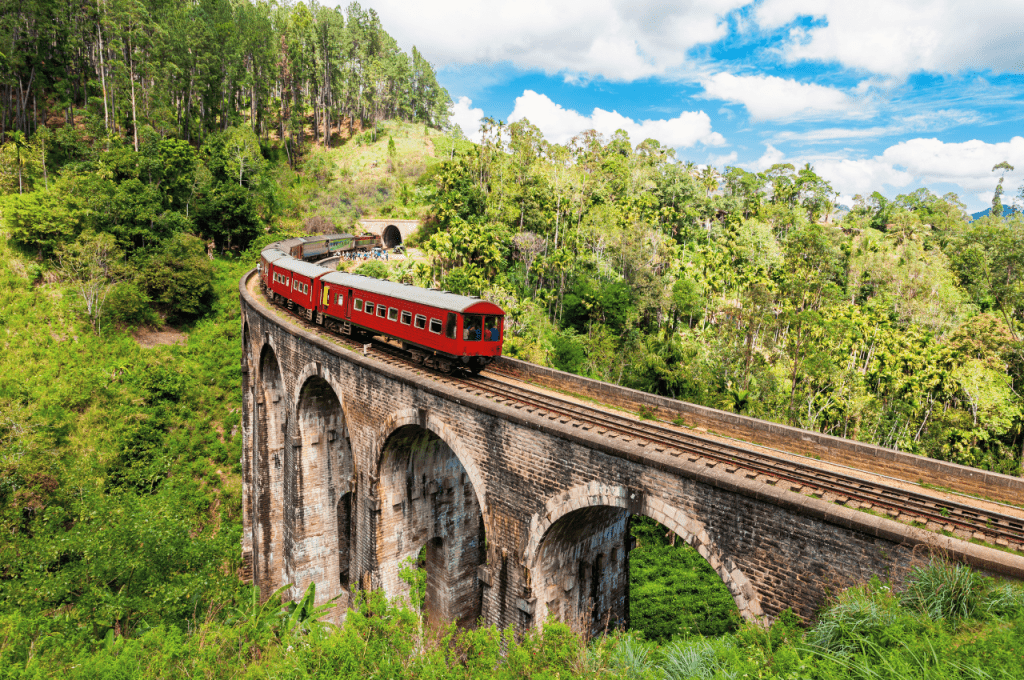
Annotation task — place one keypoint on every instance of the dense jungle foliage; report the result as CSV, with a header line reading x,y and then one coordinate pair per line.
x,y
147,150
896,322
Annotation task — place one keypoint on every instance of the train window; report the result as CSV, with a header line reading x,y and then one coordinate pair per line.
x,y
369,307
492,328
392,314
421,321
381,311
472,324
341,299
451,326
406,317
435,326
359,305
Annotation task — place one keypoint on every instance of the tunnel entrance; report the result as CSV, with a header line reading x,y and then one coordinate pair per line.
x,y
391,236
429,504
601,568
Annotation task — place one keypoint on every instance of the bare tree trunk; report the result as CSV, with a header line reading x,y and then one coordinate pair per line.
x,y
131,79
103,71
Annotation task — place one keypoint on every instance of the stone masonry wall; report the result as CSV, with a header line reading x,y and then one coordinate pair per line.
x,y
794,440
513,476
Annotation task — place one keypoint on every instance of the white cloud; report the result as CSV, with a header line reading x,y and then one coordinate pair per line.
x,y
861,176
620,40
927,121
773,98
916,162
968,164
467,118
770,157
900,37
560,124
722,161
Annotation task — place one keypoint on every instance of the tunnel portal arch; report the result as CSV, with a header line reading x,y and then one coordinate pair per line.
x,y
391,236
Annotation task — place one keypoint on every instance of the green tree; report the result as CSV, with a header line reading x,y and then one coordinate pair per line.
x,y
997,196
16,146
179,278
91,266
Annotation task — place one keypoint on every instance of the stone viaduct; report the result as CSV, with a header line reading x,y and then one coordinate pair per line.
x,y
352,466
391,232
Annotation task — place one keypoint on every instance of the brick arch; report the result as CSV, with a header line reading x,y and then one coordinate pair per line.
x,y
315,369
248,466
271,407
424,503
391,236
428,421
266,341
318,471
691,530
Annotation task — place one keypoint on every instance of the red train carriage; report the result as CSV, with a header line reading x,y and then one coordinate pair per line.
x,y
292,280
267,258
438,328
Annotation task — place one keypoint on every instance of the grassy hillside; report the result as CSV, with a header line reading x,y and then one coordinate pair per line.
x,y
375,172
120,491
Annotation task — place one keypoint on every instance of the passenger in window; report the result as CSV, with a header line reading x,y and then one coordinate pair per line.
x,y
491,328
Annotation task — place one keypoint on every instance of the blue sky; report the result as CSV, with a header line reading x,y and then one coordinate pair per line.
x,y
885,95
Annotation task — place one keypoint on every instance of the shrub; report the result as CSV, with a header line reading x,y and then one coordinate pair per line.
x,y
179,278
318,224
944,591
130,304
862,614
374,269
683,660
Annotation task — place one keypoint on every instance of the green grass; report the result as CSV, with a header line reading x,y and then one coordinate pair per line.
x,y
673,590
359,178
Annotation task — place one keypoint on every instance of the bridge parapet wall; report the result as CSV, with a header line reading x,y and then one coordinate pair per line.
x,y
847,452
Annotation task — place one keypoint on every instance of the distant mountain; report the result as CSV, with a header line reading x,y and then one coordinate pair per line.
x,y
1006,211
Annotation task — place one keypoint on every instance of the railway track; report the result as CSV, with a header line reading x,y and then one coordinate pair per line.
x,y
931,512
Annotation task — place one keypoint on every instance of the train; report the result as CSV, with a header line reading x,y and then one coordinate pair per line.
x,y
318,247
439,329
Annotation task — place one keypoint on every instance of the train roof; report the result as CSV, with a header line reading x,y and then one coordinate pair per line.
x,y
301,267
288,244
440,299
273,254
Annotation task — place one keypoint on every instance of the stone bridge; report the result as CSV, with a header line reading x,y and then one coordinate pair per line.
x,y
353,466
392,232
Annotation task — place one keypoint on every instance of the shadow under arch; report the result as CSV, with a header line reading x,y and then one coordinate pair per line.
x,y
391,236
318,478
430,495
271,418
576,555
248,466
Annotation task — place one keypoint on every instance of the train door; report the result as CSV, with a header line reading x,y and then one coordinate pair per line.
x,y
348,303
325,297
